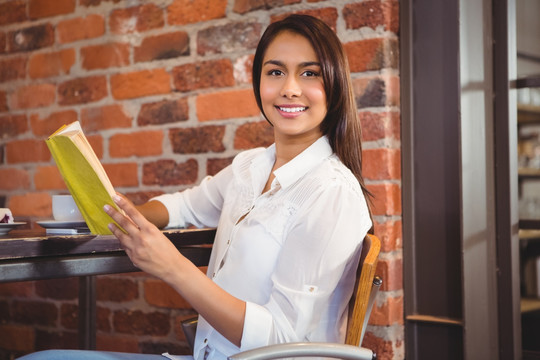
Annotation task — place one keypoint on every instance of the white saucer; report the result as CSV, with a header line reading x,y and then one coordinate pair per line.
x,y
55,224
7,227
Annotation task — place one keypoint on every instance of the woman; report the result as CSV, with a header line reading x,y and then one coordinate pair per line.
x,y
290,218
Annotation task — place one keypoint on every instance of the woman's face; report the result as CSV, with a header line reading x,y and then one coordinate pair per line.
x,y
292,89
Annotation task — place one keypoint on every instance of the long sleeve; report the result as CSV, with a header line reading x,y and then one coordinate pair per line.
x,y
201,205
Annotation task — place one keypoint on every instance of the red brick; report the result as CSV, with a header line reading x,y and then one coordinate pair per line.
x,y
33,96
163,112
17,338
243,67
104,117
31,38
387,199
136,19
182,12
13,179
12,69
80,28
388,313
217,106
31,204
123,174
244,6
383,348
204,74
143,143
13,125
372,14
28,150
160,294
390,234
118,343
378,126
116,289
12,12
44,65
381,164
96,2
2,42
45,8
236,36
164,46
103,322
213,166
391,271
197,140
50,339
370,92
141,83
139,323
169,172
82,90
69,317
43,127
17,289
328,15
49,178
104,56
3,101
58,289
252,135
372,54
141,197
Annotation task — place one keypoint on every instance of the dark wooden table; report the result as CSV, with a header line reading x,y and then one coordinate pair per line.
x,y
34,255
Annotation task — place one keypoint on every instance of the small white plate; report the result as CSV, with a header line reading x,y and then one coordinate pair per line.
x,y
55,224
7,227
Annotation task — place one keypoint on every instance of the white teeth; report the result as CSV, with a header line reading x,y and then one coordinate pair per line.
x,y
292,110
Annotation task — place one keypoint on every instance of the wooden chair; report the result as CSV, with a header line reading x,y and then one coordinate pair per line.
x,y
361,303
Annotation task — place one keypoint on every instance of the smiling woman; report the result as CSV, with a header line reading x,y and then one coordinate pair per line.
x,y
292,89
290,218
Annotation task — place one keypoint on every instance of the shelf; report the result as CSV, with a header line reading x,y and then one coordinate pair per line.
x,y
528,114
529,173
529,304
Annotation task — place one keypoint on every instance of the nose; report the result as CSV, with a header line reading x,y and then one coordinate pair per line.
x,y
291,88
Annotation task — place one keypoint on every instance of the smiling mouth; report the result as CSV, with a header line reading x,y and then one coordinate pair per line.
x,y
296,109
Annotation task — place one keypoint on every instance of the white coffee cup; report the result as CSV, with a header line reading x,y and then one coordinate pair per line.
x,y
64,208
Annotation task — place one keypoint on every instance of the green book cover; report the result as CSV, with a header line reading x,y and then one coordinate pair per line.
x,y
84,175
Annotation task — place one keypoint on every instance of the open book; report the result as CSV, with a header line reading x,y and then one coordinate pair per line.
x,y
83,174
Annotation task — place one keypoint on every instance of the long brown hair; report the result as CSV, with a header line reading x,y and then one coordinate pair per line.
x,y
341,124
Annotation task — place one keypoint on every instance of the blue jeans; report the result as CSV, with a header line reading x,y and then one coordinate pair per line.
x,y
91,355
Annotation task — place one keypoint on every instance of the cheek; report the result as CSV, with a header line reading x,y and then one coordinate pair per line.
x,y
265,89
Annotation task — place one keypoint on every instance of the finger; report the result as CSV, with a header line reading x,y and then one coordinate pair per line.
x,y
130,209
120,219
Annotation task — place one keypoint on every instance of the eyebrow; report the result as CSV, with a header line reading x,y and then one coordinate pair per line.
x,y
302,64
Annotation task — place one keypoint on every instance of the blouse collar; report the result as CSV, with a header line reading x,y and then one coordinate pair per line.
x,y
300,165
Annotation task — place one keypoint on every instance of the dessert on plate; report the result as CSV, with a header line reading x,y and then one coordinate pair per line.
x,y
5,216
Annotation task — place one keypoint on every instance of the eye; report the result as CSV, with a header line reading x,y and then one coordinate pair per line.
x,y
274,72
310,73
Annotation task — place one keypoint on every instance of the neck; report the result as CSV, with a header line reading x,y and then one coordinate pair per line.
x,y
288,149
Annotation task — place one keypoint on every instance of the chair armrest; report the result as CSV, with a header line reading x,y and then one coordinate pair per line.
x,y
305,349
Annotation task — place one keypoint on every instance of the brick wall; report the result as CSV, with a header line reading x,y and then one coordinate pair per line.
x,y
162,89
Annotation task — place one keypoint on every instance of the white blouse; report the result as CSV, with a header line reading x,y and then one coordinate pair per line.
x,y
292,258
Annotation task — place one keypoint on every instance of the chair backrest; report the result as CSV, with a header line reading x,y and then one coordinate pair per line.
x,y
365,290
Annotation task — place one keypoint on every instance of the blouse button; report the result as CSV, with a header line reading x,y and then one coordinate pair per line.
x,y
205,341
228,242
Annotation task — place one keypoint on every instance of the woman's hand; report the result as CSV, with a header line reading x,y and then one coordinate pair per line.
x,y
153,253
144,243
